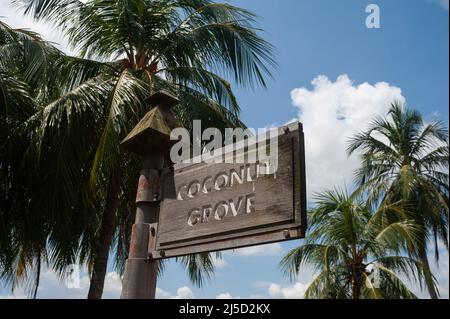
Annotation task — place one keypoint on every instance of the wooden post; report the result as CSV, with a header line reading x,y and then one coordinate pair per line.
x,y
141,272
150,138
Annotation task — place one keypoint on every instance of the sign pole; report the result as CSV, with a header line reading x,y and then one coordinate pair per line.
x,y
140,271
193,208
150,138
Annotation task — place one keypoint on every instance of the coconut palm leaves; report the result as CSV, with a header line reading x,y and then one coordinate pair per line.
x,y
22,62
130,49
24,52
405,159
356,252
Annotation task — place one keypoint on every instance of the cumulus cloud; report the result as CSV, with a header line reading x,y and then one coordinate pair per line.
x,y
53,287
279,291
182,293
226,295
331,112
162,294
263,250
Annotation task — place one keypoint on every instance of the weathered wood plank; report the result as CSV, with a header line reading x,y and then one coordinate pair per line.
x,y
208,207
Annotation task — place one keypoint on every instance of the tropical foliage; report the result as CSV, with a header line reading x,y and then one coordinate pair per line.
x,y
67,187
80,183
404,159
24,224
357,252
400,205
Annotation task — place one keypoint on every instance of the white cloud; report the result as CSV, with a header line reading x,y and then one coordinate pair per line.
x,y
263,250
13,16
331,113
441,272
226,295
53,287
219,262
182,293
277,291
162,294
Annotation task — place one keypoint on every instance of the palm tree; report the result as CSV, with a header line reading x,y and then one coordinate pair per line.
x,y
356,251
405,159
42,216
23,236
129,49
16,105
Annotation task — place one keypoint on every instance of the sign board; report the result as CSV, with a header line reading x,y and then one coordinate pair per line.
x,y
211,207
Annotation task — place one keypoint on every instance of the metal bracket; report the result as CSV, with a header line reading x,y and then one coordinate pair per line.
x,y
157,255
152,233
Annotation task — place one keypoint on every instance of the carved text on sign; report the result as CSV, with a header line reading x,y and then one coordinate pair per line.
x,y
213,206
244,204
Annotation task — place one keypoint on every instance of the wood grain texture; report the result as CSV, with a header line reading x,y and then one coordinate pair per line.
x,y
277,203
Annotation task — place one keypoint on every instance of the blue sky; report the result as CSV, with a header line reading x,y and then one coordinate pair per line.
x,y
329,64
330,37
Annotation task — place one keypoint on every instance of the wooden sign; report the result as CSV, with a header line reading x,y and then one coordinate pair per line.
x,y
210,207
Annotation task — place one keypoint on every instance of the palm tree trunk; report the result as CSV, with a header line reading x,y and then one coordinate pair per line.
x,y
100,261
428,275
356,284
356,288
38,276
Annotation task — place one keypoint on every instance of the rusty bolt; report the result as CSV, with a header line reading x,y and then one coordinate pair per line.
x,y
287,234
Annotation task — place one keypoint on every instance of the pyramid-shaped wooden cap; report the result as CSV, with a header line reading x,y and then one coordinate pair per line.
x,y
152,133
163,98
